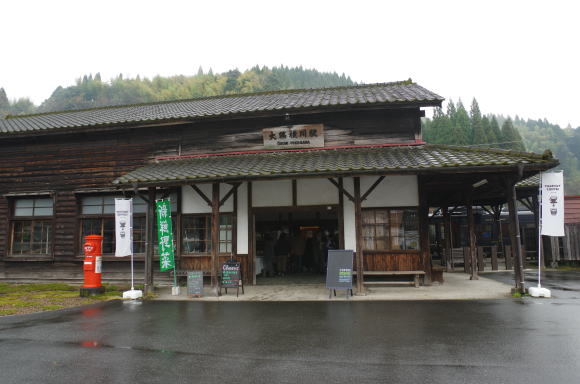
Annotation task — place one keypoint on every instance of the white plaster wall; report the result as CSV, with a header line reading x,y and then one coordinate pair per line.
x,y
315,192
191,202
242,220
393,191
348,216
272,193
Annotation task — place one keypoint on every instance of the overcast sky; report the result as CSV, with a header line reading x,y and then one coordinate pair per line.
x,y
515,57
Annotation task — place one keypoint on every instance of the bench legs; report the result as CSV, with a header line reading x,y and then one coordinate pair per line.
x,y
416,281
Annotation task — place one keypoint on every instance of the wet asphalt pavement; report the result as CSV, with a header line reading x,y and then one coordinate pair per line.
x,y
500,341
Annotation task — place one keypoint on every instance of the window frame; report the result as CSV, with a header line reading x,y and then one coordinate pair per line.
x,y
33,219
390,236
207,217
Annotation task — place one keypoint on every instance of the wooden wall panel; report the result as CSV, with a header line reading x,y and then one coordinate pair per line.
x,y
404,261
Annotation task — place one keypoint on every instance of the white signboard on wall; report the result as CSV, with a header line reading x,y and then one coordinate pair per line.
x,y
294,136
553,204
123,227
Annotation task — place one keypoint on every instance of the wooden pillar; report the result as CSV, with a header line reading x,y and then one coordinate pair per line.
x,y
510,194
149,241
424,232
340,214
251,235
215,217
359,238
448,244
494,258
471,234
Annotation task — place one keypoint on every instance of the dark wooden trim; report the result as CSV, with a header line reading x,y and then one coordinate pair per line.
x,y
215,217
423,213
294,193
341,189
448,243
372,188
230,192
201,194
149,241
235,223
340,214
359,237
251,236
471,235
516,246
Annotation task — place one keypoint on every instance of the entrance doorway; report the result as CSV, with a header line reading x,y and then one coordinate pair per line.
x,y
292,243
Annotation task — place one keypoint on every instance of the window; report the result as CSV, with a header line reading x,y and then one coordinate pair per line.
x,y
390,229
196,233
31,227
98,218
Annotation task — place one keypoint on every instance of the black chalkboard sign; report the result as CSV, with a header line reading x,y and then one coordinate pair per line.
x,y
195,283
231,276
339,269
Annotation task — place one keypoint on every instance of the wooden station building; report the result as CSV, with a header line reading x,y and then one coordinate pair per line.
x,y
349,160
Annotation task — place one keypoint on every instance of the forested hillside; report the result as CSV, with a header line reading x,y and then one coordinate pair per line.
x,y
457,126
91,91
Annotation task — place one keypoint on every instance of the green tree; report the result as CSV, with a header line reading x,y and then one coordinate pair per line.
x,y
511,137
479,134
4,103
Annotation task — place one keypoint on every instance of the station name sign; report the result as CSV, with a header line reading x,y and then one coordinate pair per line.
x,y
294,136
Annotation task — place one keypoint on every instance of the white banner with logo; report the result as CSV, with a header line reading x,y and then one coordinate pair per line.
x,y
553,204
124,227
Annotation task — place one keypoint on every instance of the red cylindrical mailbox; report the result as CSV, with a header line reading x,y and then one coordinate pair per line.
x,y
93,261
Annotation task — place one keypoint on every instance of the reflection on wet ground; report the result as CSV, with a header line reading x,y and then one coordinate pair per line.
x,y
487,341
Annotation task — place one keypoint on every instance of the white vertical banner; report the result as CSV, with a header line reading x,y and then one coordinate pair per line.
x,y
123,227
553,203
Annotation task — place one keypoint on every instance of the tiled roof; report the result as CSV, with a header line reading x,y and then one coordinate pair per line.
x,y
405,92
342,161
530,182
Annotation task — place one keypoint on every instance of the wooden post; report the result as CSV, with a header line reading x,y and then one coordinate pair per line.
x,y
149,242
215,243
466,260
340,214
359,239
424,232
494,258
510,194
251,235
507,254
447,232
471,233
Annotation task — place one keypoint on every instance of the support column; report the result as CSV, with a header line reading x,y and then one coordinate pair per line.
x,y
447,232
150,241
471,232
424,232
359,238
510,194
215,244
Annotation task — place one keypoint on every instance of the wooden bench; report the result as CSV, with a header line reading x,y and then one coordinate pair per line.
x,y
416,277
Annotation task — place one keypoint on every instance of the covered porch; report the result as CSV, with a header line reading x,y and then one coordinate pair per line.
x,y
398,177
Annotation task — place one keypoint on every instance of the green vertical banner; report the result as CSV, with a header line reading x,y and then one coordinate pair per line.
x,y
165,235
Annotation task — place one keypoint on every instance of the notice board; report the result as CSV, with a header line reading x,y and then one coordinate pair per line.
x,y
339,269
195,283
231,274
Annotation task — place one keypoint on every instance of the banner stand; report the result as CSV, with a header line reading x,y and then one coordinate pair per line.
x,y
539,291
124,240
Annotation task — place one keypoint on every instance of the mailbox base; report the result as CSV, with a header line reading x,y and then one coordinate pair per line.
x,y
92,291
